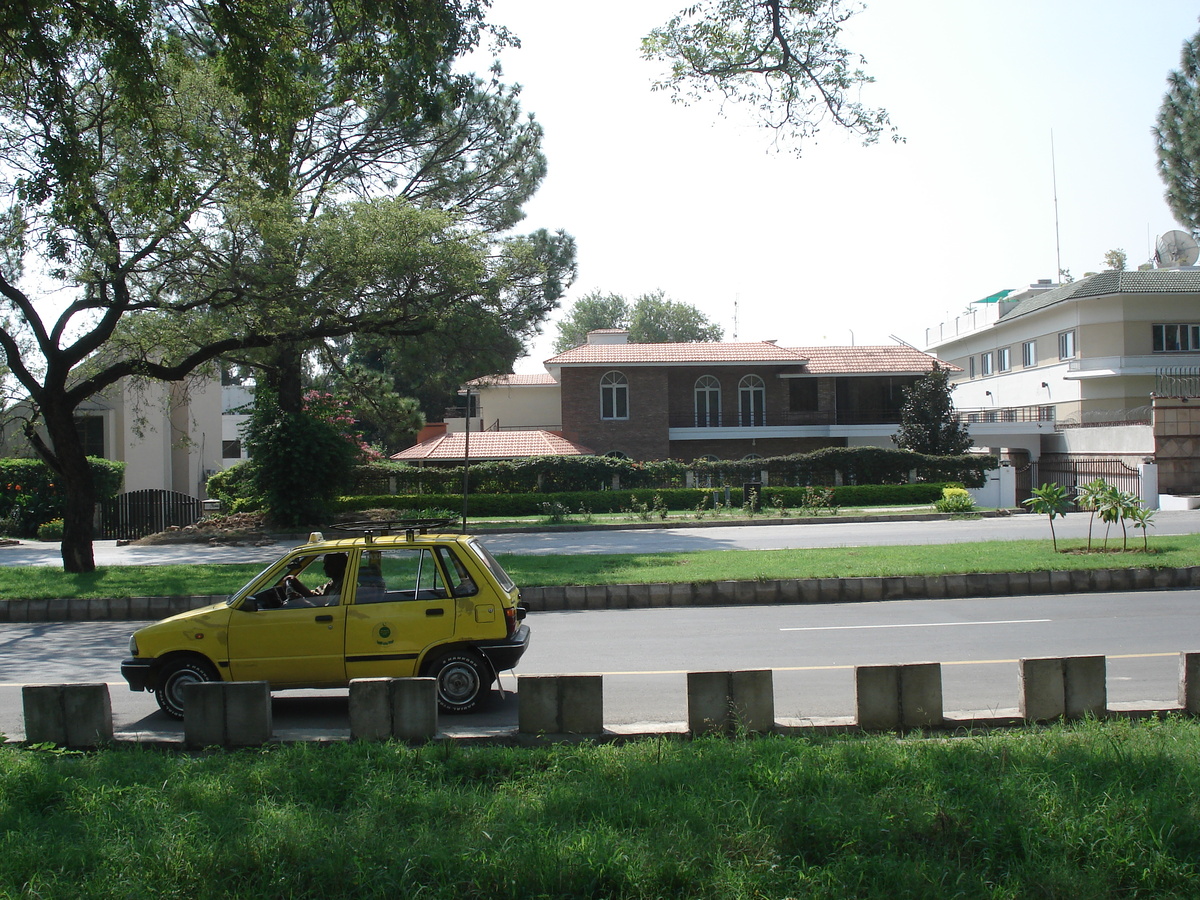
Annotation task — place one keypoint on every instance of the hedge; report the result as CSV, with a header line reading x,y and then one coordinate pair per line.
x,y
30,495
572,502
555,474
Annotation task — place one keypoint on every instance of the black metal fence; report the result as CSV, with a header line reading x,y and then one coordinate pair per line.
x,y
1073,471
139,513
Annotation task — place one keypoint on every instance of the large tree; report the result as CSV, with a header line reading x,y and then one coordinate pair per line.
x,y
927,420
650,319
155,217
779,58
1177,133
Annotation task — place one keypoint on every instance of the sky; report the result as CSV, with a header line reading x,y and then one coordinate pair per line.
x,y
1027,127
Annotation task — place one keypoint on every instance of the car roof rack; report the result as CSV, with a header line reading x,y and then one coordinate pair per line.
x,y
373,528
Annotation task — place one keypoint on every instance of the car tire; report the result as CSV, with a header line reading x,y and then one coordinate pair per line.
x,y
171,680
464,681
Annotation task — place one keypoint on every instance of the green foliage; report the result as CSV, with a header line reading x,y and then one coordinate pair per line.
x,y
1097,809
302,461
650,319
1178,137
781,59
1052,500
50,531
955,500
31,494
927,421
236,488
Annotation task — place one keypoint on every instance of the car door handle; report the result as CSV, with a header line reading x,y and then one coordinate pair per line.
x,y
435,612
324,618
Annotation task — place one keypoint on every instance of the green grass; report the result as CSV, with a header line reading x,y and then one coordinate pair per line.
x,y
1094,810
1168,551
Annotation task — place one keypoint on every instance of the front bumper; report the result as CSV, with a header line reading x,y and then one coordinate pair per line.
x,y
504,655
142,674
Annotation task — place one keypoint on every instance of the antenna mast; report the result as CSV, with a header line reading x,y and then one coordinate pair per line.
x,y
735,315
1054,185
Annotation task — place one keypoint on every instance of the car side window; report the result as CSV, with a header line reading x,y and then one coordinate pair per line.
x,y
398,574
461,582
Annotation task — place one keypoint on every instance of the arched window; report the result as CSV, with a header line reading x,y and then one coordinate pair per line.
x,y
614,396
752,456
752,401
616,454
708,402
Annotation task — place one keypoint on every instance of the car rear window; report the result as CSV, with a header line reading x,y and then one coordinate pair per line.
x,y
494,567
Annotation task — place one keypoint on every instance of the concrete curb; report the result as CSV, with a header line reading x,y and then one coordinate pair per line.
x,y
719,593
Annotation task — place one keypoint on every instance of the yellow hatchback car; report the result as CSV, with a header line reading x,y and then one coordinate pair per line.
x,y
396,605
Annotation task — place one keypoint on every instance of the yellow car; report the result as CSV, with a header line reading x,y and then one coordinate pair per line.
x,y
394,605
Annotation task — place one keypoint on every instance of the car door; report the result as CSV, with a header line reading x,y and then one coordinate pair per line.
x,y
293,646
401,606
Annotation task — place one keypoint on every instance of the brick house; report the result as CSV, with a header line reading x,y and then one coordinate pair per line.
x,y
721,400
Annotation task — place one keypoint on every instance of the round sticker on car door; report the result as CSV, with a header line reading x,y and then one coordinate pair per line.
x,y
384,634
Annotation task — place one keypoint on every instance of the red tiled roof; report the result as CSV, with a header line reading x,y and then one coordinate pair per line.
x,y
493,445
815,360
511,380
697,352
869,360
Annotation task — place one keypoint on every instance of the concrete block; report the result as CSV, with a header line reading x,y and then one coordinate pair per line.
x,y
956,585
596,596
1043,689
226,714
872,588
69,715
618,596
560,704
574,597
682,594
893,587
1189,683
660,595
1085,687
877,697
921,695
891,697
726,702
403,709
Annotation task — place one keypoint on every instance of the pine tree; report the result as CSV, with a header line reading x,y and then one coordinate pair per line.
x,y
1177,132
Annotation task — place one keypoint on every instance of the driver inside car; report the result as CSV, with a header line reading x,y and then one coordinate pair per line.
x,y
327,594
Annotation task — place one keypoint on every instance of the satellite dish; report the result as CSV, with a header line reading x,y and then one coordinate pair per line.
x,y
1176,248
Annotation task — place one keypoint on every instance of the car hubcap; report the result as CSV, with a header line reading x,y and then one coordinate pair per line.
x,y
459,683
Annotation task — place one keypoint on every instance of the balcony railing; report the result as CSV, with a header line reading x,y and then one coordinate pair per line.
x,y
1005,414
788,419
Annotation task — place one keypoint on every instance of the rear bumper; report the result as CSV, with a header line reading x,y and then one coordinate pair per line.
x,y
504,655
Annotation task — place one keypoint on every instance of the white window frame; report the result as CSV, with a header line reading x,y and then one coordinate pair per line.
x,y
614,397
707,401
1029,354
1066,345
1003,359
752,401
985,363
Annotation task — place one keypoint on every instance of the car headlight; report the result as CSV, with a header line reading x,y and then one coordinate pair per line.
x,y
133,645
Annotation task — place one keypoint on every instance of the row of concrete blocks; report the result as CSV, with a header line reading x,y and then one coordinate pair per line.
x,y
713,593
238,714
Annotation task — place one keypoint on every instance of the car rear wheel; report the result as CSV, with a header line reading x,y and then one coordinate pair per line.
x,y
463,681
174,676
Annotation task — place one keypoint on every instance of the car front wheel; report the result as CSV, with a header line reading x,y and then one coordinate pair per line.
x,y
173,678
463,681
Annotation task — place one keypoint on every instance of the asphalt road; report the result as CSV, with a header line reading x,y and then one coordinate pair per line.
x,y
831,533
645,655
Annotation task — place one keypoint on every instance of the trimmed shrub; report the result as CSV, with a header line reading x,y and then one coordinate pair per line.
x,y
30,494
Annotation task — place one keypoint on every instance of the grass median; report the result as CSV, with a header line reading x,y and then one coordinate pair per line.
x,y
1166,551
1096,809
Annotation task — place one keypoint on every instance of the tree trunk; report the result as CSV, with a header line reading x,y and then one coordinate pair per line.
x,y
66,457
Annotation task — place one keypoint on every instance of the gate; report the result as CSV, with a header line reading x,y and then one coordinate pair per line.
x,y
139,513
1072,471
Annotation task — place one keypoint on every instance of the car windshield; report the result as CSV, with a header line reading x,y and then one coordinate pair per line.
x,y
494,567
246,586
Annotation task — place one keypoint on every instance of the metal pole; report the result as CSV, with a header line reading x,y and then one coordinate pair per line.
x,y
466,461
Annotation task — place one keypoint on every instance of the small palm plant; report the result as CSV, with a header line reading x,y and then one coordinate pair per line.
x,y
1089,496
1143,518
1051,500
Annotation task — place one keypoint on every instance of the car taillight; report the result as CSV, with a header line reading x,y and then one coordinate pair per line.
x,y
510,619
